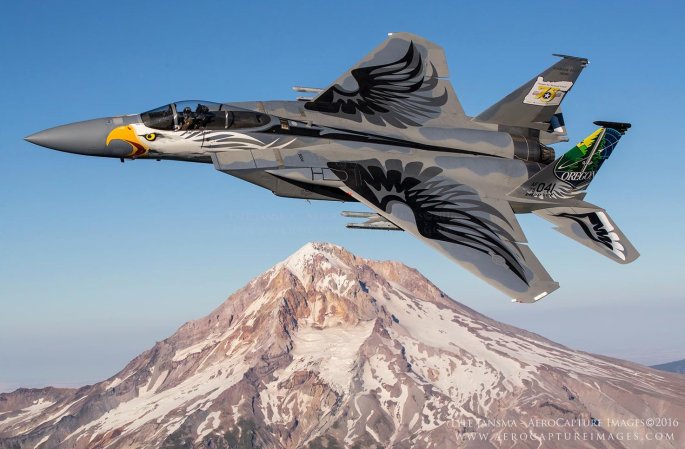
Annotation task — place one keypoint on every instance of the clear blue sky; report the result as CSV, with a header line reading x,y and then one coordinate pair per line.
x,y
98,259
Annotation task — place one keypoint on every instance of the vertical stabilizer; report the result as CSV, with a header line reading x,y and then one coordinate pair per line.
x,y
571,174
536,104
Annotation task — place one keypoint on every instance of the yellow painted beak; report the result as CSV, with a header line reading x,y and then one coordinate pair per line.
x,y
128,135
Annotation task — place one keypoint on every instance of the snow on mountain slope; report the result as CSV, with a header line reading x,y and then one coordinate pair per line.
x,y
327,349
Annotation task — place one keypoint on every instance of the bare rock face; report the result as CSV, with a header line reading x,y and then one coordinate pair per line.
x,y
329,350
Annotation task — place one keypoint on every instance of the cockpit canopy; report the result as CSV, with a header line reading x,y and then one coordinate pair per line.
x,y
201,115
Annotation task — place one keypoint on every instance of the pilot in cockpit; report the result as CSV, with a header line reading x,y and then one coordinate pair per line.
x,y
188,119
201,116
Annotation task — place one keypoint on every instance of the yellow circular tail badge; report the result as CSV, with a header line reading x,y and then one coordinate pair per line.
x,y
127,134
547,93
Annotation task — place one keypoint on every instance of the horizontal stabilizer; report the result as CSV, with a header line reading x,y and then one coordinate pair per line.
x,y
593,228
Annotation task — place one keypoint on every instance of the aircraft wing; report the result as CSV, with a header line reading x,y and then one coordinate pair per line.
x,y
479,233
401,85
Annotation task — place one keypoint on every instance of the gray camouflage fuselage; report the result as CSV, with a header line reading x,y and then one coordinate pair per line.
x,y
392,134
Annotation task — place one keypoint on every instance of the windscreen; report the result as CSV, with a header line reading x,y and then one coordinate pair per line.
x,y
160,118
201,115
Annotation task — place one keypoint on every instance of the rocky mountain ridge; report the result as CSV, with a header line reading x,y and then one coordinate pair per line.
x,y
327,349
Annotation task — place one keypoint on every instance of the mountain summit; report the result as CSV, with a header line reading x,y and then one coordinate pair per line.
x,y
330,350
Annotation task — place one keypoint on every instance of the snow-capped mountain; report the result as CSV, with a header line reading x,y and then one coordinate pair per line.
x,y
329,350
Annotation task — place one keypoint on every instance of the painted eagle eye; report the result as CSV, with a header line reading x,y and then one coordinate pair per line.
x,y
150,137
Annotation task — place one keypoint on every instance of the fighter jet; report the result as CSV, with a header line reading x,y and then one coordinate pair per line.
x,y
391,133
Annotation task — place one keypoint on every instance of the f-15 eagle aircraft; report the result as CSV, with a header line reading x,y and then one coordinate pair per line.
x,y
391,134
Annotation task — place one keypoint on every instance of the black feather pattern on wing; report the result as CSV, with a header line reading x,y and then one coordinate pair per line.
x,y
443,209
593,227
398,93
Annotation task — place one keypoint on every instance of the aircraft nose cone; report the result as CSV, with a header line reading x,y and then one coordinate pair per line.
x,y
87,137
40,138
